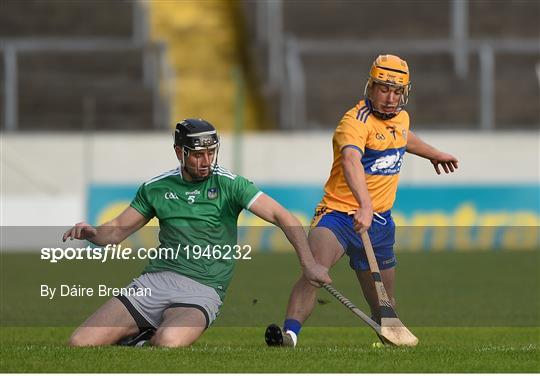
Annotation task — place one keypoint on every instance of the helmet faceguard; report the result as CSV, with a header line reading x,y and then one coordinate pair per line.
x,y
392,71
196,135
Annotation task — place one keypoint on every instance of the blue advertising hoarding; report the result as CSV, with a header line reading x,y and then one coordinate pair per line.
x,y
429,218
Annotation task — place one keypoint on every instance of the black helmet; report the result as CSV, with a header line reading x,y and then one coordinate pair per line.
x,y
195,134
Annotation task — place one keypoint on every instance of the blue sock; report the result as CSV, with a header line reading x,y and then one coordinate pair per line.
x,y
292,324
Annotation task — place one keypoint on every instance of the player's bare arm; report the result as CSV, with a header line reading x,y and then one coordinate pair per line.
x,y
112,232
415,145
271,211
356,180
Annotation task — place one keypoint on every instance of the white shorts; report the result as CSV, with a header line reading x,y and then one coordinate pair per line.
x,y
163,290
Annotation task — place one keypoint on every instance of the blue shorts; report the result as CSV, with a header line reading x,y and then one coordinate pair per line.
x,y
382,234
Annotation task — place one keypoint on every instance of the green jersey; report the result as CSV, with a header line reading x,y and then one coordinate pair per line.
x,y
195,220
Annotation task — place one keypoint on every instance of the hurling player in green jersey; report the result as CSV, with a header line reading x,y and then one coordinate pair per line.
x,y
197,206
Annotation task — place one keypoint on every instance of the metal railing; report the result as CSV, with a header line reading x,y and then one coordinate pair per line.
x,y
155,71
286,71
294,94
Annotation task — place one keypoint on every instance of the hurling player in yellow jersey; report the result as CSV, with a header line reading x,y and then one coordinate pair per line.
x,y
369,144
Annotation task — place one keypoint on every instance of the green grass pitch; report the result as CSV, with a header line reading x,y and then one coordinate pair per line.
x,y
473,312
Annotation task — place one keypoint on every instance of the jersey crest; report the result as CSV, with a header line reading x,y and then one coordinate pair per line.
x,y
212,193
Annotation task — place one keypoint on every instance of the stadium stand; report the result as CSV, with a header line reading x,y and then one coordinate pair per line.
x,y
499,19
441,98
61,88
207,52
54,87
61,18
345,19
110,88
116,82
2,83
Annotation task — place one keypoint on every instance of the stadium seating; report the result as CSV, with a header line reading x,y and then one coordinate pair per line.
x,y
2,88
104,89
70,90
499,19
345,19
440,98
206,48
66,18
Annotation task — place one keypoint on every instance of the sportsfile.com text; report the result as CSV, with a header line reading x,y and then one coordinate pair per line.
x,y
118,252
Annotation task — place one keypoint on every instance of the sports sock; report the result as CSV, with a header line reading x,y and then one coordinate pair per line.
x,y
293,325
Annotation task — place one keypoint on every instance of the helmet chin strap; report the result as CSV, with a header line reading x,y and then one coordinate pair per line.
x,y
383,115
379,114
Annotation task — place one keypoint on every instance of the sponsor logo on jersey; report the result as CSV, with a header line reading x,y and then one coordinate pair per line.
x,y
193,193
171,196
212,193
388,164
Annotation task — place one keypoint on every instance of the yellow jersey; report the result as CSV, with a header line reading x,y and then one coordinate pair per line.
x,y
382,144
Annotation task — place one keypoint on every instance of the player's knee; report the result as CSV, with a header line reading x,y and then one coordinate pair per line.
x,y
171,338
324,246
319,255
79,339
90,337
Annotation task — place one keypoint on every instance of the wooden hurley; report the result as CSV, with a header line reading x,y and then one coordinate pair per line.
x,y
392,329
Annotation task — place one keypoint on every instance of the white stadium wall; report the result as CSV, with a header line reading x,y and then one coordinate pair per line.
x,y
44,176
